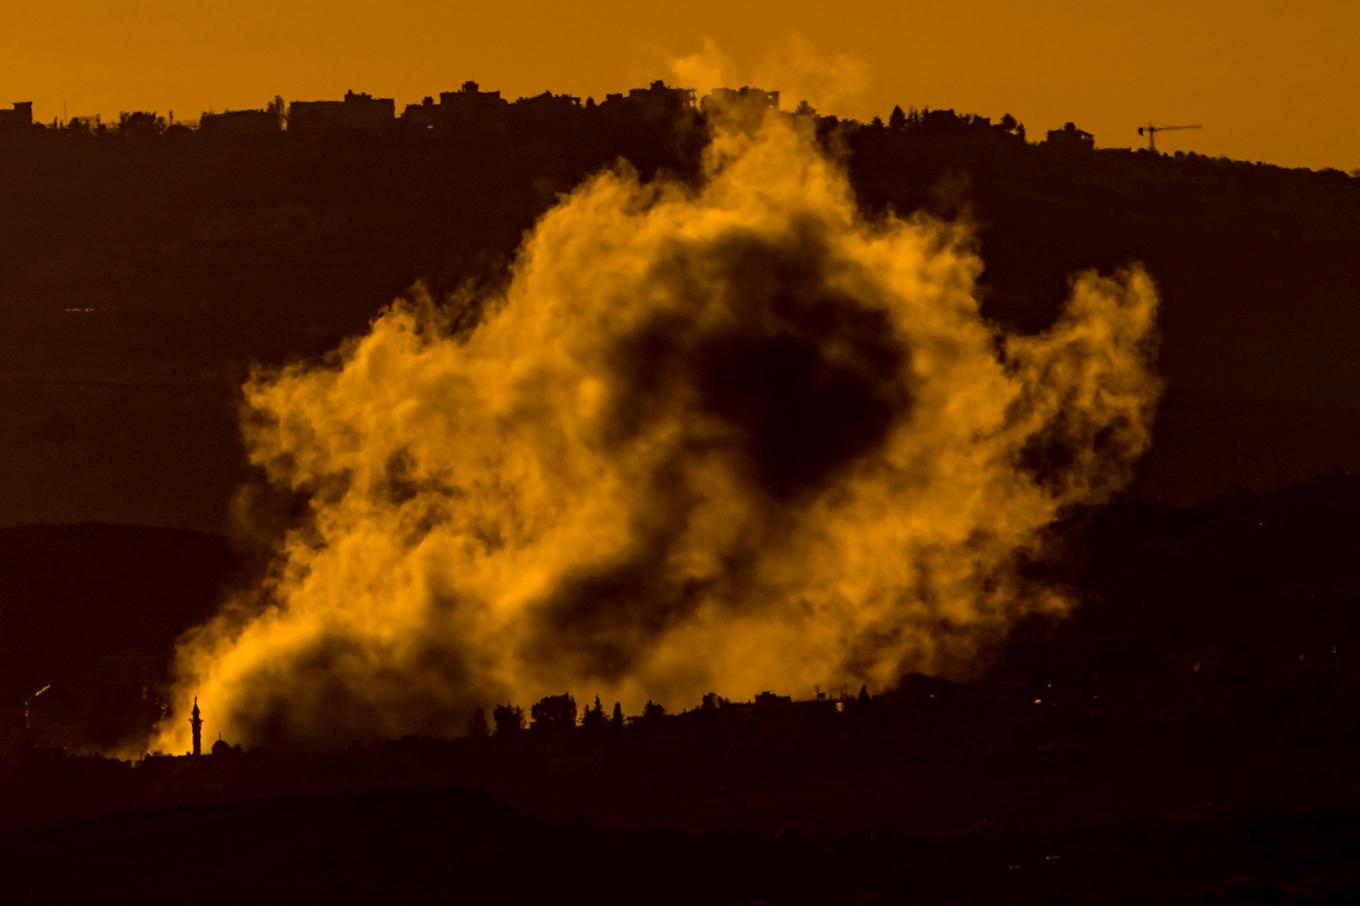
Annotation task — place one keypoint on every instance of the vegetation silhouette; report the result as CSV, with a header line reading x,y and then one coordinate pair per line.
x,y
554,714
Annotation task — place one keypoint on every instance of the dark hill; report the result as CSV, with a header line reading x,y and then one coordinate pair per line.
x,y
1249,600
71,595
1259,323
144,273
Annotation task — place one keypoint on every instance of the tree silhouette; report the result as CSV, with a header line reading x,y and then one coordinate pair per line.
x,y
476,727
509,719
617,720
593,717
897,119
554,713
652,710
141,124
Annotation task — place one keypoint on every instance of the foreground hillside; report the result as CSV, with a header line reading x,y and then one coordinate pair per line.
x,y
458,846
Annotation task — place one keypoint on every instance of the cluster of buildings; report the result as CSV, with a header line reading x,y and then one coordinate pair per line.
x,y
362,113
20,115
356,113
744,97
469,102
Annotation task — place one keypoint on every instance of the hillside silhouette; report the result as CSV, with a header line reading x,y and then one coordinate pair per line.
x,y
95,609
149,265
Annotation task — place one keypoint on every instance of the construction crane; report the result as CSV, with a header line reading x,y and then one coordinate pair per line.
x,y
1151,131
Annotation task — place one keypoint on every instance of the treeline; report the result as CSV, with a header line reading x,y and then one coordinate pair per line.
x,y
556,714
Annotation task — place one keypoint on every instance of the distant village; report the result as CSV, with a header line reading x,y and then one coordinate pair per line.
x,y
361,114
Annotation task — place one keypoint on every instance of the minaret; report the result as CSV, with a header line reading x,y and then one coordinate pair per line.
x,y
196,721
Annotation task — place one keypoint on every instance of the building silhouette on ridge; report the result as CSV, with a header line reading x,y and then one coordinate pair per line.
x,y
1070,138
658,102
243,123
743,96
19,116
358,112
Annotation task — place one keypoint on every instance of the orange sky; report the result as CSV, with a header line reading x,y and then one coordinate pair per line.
x,y
1266,83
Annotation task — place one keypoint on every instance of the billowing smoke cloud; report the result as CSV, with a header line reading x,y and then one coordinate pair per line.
x,y
733,437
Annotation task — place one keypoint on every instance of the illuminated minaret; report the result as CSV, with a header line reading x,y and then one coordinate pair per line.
x,y
196,722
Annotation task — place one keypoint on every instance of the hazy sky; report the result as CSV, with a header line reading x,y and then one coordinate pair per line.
x,y
1268,81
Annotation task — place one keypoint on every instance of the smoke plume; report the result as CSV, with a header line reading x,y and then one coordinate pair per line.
x,y
830,80
731,437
